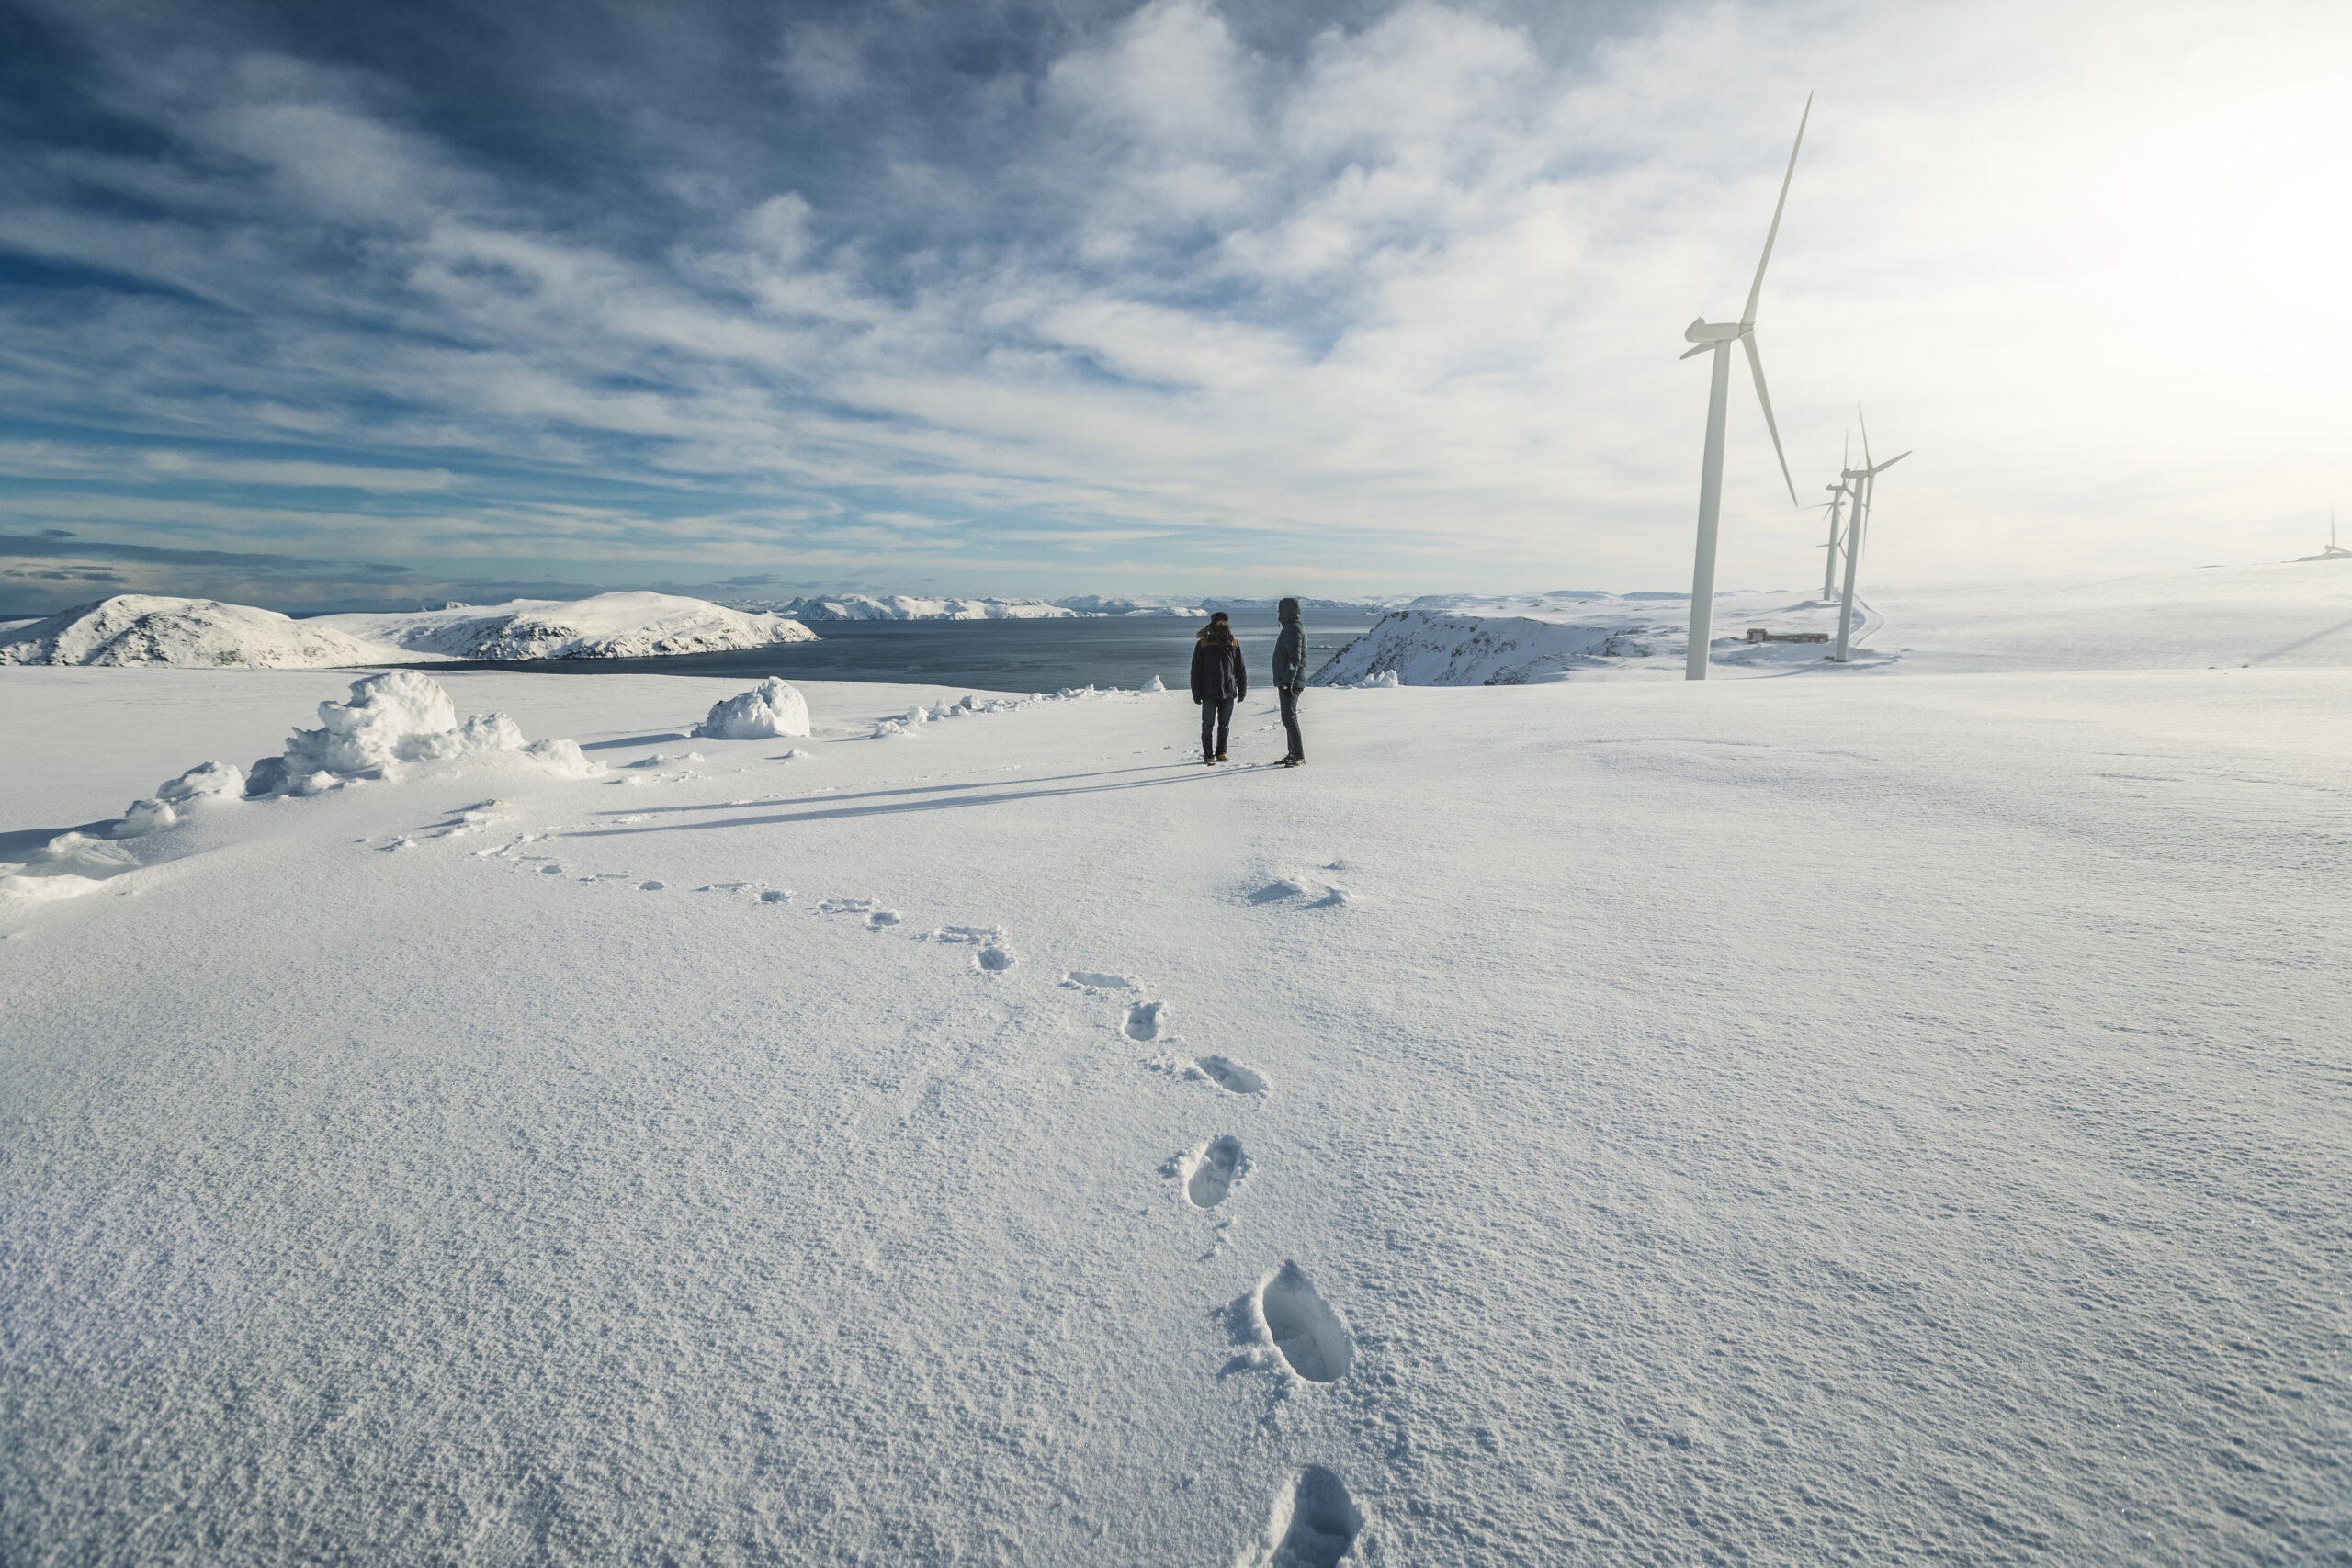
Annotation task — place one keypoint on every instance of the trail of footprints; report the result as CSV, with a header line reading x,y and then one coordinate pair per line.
x,y
1282,1320
1315,1522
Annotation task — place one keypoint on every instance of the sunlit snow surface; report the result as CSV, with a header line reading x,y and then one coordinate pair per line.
x,y
1876,1116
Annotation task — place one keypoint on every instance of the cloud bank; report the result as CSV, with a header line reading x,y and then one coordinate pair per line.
x,y
1005,298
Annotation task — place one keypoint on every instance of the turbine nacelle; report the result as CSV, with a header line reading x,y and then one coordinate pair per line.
x,y
1705,333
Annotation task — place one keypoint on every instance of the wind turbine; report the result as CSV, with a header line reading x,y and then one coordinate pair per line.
x,y
1839,493
1865,482
1719,336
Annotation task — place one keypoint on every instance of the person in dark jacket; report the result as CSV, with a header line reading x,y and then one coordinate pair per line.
x,y
1290,677
1218,681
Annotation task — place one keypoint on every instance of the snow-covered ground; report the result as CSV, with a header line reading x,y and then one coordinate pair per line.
x,y
1887,1116
147,629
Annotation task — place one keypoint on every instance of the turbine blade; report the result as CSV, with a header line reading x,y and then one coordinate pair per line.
x,y
1755,369
1689,351
1866,435
1891,462
1748,317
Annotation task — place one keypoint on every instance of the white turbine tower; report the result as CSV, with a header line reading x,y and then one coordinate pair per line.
x,y
1839,493
1865,482
1719,336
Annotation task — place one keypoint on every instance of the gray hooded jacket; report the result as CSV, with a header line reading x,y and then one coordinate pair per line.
x,y
1290,650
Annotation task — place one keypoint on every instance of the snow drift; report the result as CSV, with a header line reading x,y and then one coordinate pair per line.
x,y
609,625
769,710
141,628
393,718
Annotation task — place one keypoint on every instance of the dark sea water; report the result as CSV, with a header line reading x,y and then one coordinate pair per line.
x,y
990,656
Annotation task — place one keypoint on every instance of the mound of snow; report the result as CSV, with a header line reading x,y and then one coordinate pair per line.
x,y
393,718
139,628
609,625
904,608
204,779
145,817
769,710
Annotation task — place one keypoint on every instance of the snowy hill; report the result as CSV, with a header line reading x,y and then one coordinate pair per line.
x,y
144,629
1454,640
137,628
609,625
1144,604
911,607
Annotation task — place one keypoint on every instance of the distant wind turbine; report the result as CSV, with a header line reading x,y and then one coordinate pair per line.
x,y
2333,551
1719,336
1837,494
1865,482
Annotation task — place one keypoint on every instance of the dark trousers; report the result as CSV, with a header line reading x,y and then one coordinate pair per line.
x,y
1290,722
1216,724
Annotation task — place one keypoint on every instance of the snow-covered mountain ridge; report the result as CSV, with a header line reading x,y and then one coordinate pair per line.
x,y
1451,640
141,628
155,629
908,607
609,625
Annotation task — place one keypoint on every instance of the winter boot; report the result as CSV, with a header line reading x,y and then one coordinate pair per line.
x,y
1220,756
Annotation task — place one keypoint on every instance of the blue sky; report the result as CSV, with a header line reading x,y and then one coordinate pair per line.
x,y
325,306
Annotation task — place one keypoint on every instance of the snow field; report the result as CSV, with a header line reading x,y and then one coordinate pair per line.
x,y
1791,1121
2281,614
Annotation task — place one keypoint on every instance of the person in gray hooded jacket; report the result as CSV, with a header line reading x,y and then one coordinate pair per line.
x,y
1290,676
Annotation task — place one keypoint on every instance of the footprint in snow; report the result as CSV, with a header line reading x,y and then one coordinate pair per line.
x,y
1286,889
1090,980
1314,1523
776,895
1145,1019
994,958
1210,1171
1302,1327
1226,1073
650,886
875,917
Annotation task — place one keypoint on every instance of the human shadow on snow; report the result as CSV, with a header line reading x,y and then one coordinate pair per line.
x,y
20,843
832,797
995,795
635,740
